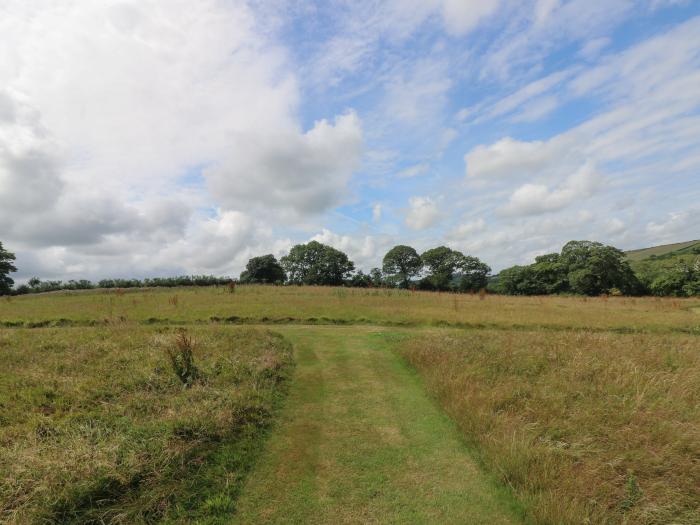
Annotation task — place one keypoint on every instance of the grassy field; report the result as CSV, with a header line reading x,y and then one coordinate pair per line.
x,y
585,428
404,408
322,305
638,255
96,428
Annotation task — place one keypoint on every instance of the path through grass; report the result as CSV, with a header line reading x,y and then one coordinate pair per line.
x,y
361,443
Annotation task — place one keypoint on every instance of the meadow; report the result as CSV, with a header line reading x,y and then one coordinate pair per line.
x,y
349,405
327,305
96,428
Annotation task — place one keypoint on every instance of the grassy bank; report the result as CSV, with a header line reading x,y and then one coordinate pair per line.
x,y
598,428
342,305
97,428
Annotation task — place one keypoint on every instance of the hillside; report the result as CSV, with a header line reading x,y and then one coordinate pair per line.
x,y
682,248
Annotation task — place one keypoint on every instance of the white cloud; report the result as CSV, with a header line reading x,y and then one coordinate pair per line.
x,y
591,49
377,212
363,250
464,230
419,93
677,224
509,157
413,171
423,213
462,16
533,199
303,173
106,107
544,9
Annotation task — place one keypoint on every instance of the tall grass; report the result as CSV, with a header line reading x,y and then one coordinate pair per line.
x,y
380,306
585,428
97,429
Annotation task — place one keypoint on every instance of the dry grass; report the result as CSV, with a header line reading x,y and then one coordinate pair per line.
x,y
585,427
334,305
96,428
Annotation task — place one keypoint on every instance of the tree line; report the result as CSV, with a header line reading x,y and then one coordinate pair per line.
x,y
581,268
315,263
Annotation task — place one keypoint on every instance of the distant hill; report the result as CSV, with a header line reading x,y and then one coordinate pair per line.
x,y
679,248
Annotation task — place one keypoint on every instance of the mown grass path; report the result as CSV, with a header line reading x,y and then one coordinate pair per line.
x,y
360,442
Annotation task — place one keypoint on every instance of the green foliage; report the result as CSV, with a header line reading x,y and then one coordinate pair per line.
x,y
675,273
441,264
6,267
583,267
263,269
360,280
36,285
452,270
400,264
473,274
315,263
595,269
377,277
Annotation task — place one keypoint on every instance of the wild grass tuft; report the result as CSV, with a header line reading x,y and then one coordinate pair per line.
x,y
181,356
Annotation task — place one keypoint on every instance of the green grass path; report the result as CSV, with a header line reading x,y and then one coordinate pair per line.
x,y
360,442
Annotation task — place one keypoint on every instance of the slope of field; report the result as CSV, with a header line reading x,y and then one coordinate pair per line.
x,y
96,428
360,442
644,253
322,305
586,428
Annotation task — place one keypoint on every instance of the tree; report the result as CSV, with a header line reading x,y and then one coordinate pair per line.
x,y
510,280
441,263
583,267
595,269
548,275
6,268
315,263
360,280
377,277
263,269
474,274
401,263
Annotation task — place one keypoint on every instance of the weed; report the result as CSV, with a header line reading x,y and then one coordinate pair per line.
x,y
181,355
632,493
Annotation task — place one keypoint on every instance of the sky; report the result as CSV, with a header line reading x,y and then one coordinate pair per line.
x,y
150,138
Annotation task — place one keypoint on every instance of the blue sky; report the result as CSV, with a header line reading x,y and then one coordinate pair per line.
x,y
147,138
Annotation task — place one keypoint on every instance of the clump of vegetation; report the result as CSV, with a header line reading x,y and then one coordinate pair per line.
x,y
6,268
584,427
582,267
674,273
263,270
181,356
316,263
96,430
